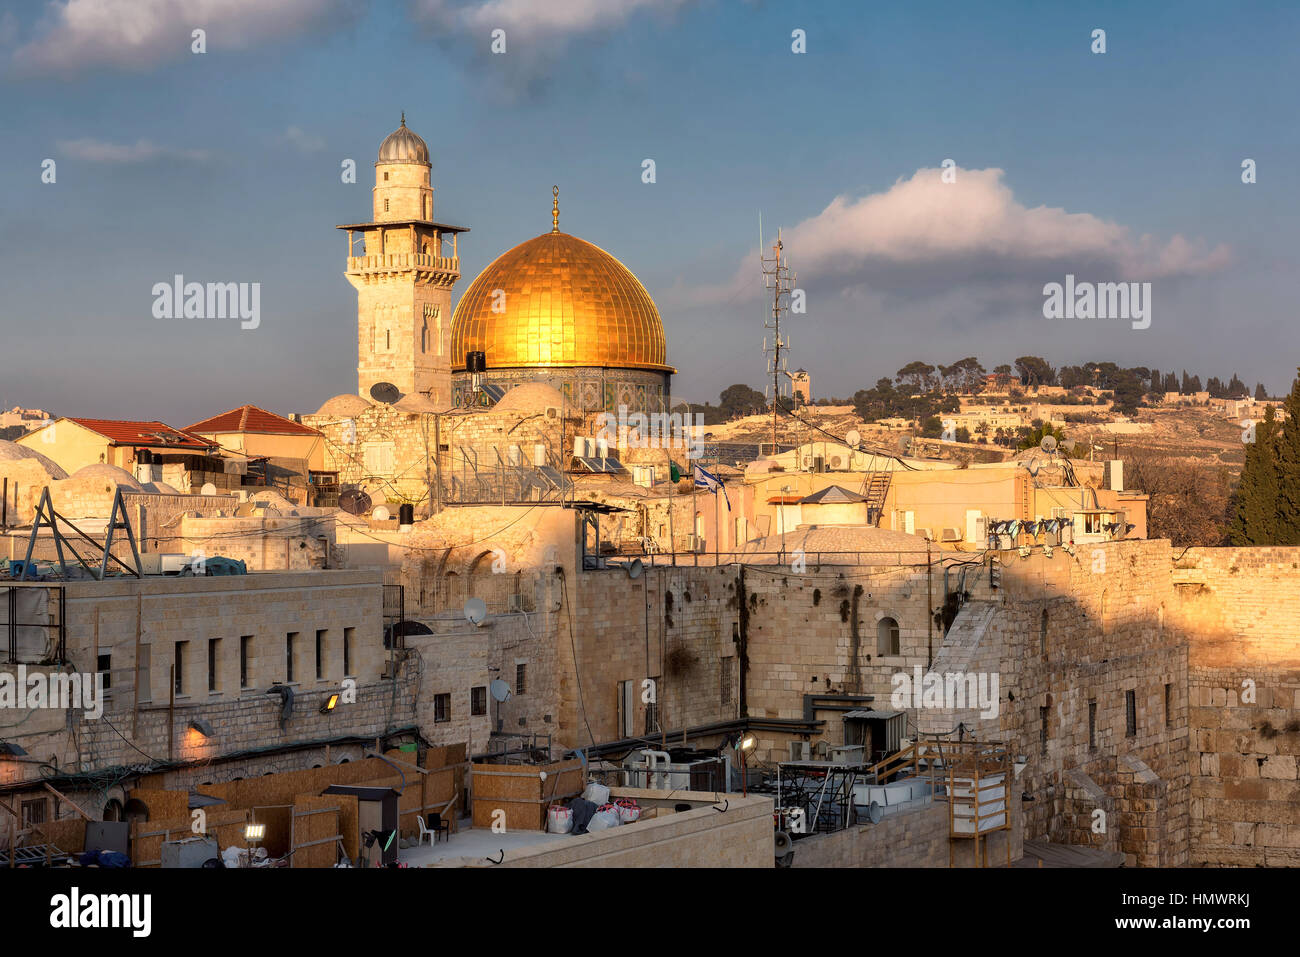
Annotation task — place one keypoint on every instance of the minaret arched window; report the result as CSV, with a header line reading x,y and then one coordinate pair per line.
x,y
424,338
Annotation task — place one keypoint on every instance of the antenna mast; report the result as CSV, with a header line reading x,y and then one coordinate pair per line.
x,y
780,280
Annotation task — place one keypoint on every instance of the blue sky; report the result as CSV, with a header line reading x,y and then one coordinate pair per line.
x,y
225,167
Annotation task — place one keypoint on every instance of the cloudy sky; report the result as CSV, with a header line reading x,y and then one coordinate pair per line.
x,y
225,166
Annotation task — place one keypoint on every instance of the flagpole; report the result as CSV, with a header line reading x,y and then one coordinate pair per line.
x,y
715,529
695,546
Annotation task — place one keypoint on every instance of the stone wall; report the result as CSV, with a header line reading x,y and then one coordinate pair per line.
x,y
109,622
1239,607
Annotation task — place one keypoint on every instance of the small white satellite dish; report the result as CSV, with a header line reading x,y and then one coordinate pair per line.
x,y
208,489
499,690
475,611
853,439
874,813
542,775
635,569
1048,444
381,514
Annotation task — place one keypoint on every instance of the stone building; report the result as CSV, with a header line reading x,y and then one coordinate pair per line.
x,y
187,665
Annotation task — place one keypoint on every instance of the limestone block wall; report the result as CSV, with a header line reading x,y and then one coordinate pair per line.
x,y
1238,607
130,630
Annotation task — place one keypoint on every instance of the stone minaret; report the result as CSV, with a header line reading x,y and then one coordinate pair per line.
x,y
404,276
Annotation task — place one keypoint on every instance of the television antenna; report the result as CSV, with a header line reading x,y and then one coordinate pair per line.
x,y
777,277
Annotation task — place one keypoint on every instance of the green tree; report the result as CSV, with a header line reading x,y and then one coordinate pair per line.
x,y
1255,517
1288,471
1034,437
740,399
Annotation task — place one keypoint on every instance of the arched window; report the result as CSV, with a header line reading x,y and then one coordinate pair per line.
x,y
113,810
424,338
887,637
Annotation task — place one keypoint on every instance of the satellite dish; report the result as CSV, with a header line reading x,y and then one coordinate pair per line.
x,y
208,489
499,690
1048,444
475,611
635,569
874,813
854,438
385,392
381,514
783,843
354,502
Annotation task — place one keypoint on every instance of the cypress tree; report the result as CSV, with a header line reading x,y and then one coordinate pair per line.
x,y
1288,471
1255,521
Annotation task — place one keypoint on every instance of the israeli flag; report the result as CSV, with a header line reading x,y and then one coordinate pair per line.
x,y
710,482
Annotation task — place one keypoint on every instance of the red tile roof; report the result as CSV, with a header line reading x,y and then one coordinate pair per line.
x,y
156,435
249,418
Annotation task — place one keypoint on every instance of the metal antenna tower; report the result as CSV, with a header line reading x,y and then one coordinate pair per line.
x,y
778,278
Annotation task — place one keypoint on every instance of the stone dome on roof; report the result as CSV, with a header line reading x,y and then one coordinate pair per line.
x,y
415,402
13,452
530,397
345,404
403,146
108,474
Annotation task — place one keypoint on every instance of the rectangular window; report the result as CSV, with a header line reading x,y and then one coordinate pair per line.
x,y
1169,706
34,811
179,672
289,641
214,664
478,700
1042,730
105,669
1092,725
144,666
725,677
1131,713
521,679
442,707
245,660
347,650
320,654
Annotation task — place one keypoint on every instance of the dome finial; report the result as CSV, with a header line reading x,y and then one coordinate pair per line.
x,y
555,210
403,117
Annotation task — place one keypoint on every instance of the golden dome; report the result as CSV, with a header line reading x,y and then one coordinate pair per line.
x,y
567,303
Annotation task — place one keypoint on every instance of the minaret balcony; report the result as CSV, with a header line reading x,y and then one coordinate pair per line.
x,y
397,262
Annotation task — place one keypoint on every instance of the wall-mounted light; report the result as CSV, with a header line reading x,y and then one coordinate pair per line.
x,y
202,727
254,832
330,704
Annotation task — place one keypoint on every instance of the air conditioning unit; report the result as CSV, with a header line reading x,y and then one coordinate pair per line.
x,y
158,563
952,534
800,751
925,533
552,411
694,543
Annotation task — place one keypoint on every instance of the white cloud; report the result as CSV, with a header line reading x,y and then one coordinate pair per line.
x,y
137,34
923,236
534,18
303,141
141,151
